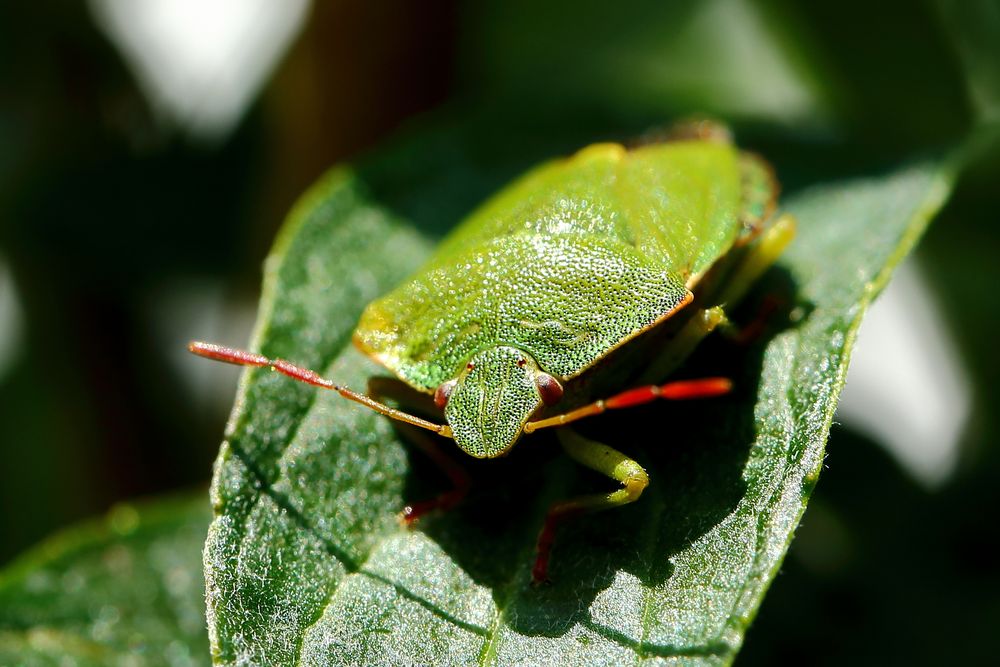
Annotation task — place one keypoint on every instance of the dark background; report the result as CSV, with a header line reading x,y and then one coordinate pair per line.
x,y
123,234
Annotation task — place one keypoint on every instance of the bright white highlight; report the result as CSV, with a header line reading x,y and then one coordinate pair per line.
x,y
906,387
201,62
11,320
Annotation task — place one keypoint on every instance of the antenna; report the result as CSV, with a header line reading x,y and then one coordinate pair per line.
x,y
231,355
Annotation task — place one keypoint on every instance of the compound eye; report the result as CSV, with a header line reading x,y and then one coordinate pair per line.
x,y
443,393
549,388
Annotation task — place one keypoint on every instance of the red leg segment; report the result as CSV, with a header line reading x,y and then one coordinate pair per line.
x,y
459,478
673,391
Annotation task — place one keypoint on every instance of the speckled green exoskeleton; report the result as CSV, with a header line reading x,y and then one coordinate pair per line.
x,y
586,276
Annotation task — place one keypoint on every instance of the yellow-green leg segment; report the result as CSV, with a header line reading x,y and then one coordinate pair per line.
x,y
604,460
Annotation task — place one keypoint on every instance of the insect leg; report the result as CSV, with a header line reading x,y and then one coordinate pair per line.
x,y
459,478
604,460
382,387
680,347
672,391
745,334
758,257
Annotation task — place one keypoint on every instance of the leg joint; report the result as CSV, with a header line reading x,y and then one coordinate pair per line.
x,y
635,482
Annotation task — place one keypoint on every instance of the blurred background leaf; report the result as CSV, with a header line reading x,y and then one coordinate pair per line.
x,y
125,590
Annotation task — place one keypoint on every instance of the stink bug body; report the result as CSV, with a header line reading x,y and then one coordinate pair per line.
x,y
574,290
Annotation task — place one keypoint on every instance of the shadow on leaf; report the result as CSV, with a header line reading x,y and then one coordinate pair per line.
x,y
695,482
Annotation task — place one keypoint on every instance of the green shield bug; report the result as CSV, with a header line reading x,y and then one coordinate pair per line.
x,y
585,277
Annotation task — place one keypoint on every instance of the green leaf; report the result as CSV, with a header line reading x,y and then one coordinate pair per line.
x,y
306,562
124,590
